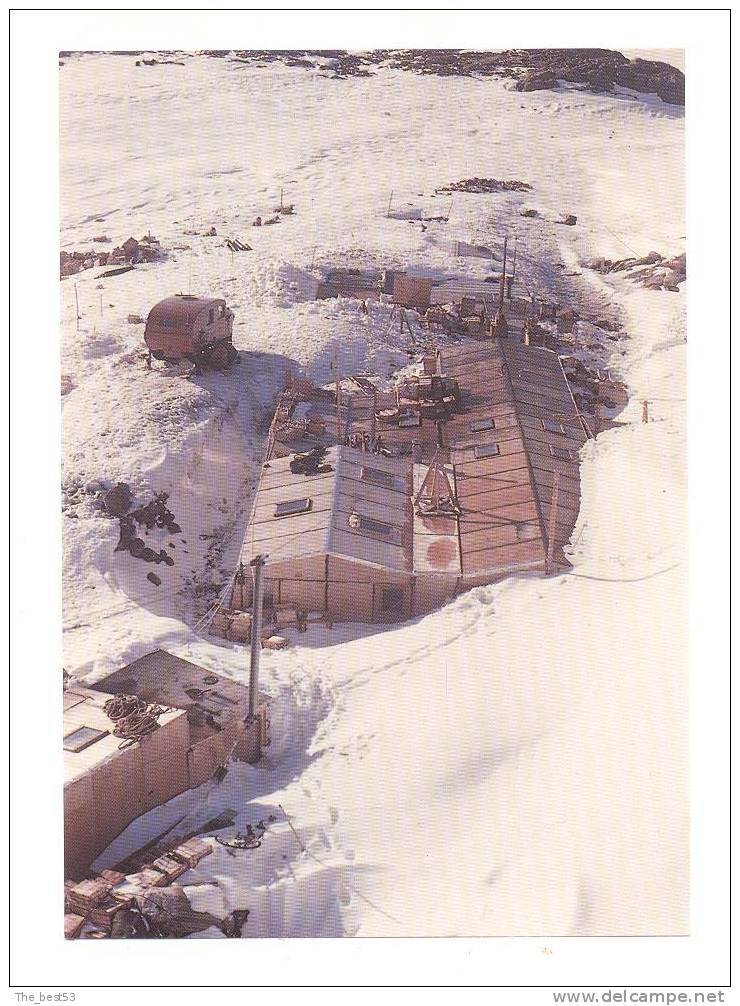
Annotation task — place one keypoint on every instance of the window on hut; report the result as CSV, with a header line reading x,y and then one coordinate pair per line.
x,y
377,477
552,426
486,450
291,507
561,453
375,528
82,738
482,424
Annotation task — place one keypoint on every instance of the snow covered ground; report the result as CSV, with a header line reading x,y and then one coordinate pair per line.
x,y
517,762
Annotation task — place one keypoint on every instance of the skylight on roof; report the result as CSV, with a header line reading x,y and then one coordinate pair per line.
x,y
408,421
82,738
552,426
377,477
486,450
292,507
561,453
482,424
375,528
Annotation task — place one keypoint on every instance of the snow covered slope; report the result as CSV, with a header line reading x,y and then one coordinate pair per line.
x,y
512,764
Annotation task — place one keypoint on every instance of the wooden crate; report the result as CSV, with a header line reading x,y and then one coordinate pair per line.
x,y
83,897
102,915
72,925
112,876
192,851
138,883
172,868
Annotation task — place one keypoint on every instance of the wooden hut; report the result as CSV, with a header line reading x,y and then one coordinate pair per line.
x,y
337,540
109,781
480,485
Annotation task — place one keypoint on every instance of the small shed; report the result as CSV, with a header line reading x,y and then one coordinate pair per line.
x,y
109,781
412,291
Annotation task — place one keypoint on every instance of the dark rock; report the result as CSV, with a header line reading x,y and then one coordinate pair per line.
x,y
653,77
117,501
537,80
154,579
126,525
486,185
672,279
678,264
570,219
137,547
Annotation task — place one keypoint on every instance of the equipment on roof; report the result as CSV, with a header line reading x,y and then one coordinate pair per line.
x,y
310,463
436,497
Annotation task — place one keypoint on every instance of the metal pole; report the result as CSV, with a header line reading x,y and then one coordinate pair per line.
x,y
77,308
503,274
338,396
513,261
256,646
390,200
373,408
645,412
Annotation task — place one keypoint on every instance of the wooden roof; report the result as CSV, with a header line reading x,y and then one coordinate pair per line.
x,y
505,497
83,707
517,423
373,488
163,678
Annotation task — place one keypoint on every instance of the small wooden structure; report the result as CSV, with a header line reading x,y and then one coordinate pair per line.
x,y
109,782
194,328
338,540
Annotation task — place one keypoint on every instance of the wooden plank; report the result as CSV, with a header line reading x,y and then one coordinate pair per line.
x,y
469,485
499,464
498,535
512,512
544,478
527,552
494,498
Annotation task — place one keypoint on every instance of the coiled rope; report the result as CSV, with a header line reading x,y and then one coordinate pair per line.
x,y
134,718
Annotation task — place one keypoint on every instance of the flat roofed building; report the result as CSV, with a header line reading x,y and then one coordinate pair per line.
x,y
109,781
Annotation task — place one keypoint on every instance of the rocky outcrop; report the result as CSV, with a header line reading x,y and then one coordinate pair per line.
x,y
599,70
486,185
652,270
